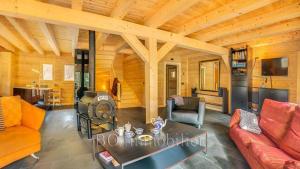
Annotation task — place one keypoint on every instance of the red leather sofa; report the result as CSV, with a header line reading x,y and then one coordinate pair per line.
x,y
278,146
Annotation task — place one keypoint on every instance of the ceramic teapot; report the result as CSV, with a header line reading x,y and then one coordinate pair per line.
x,y
158,122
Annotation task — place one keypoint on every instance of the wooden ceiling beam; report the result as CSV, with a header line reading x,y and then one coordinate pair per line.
x,y
5,44
137,46
85,20
121,9
285,13
77,5
226,12
48,33
11,37
119,12
285,37
20,28
288,26
171,9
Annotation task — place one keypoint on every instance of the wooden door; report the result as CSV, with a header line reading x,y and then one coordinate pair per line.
x,y
171,80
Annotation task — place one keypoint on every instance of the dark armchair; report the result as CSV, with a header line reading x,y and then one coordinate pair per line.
x,y
191,112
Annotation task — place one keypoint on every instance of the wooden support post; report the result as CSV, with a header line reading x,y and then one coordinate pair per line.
x,y
227,63
151,81
149,55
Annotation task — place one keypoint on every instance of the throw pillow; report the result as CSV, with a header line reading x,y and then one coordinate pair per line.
x,y
249,122
1,118
11,108
178,100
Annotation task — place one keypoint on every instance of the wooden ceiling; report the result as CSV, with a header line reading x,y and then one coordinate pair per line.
x,y
219,22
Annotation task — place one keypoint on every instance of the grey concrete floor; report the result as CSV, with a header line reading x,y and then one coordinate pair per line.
x,y
64,148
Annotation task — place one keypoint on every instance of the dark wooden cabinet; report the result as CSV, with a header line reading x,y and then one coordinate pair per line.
x,y
281,95
224,94
239,98
30,95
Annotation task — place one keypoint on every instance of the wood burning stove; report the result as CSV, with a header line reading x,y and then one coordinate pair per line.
x,y
96,113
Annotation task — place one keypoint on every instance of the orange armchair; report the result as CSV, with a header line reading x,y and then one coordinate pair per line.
x,y
23,139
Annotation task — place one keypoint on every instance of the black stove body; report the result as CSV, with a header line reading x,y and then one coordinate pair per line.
x,y
96,113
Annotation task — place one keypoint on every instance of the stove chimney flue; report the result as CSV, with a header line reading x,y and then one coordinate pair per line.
x,y
92,59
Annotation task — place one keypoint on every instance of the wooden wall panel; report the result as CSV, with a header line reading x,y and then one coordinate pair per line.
x,y
25,62
194,70
133,89
104,61
289,50
7,71
133,72
118,67
172,58
193,76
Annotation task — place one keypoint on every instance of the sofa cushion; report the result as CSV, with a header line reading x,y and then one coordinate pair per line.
x,y
269,157
17,138
190,103
185,116
291,141
12,113
178,100
253,163
275,118
246,138
32,116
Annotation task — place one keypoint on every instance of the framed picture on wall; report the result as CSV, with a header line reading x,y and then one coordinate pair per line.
x,y
47,72
69,73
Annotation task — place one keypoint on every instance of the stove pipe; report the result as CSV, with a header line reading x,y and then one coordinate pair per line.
x,y
92,59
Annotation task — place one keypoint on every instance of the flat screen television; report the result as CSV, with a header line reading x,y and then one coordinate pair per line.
x,y
274,67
